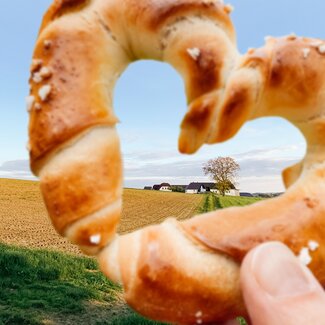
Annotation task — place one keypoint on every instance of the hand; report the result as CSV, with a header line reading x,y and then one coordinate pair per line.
x,y
279,290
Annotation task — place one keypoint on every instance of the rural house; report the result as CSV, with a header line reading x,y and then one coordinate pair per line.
x,y
232,192
197,188
210,187
165,187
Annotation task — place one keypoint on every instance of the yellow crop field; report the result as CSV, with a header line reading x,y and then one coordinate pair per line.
x,y
142,208
24,221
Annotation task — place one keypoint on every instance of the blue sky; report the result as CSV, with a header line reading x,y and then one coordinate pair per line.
x,y
150,102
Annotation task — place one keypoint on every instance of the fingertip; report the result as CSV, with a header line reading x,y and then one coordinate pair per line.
x,y
254,253
273,279
277,271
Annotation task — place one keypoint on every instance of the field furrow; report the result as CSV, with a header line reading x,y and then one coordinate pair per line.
x,y
24,220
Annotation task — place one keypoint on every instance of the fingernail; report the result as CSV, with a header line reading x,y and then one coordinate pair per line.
x,y
279,272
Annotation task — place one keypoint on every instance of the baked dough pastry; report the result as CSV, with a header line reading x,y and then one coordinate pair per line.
x,y
82,48
181,272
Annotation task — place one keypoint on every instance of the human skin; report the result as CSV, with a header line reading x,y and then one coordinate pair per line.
x,y
279,289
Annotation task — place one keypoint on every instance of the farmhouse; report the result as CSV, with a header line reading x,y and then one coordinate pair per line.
x,y
192,188
197,188
165,187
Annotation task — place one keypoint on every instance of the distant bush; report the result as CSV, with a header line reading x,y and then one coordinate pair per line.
x,y
180,189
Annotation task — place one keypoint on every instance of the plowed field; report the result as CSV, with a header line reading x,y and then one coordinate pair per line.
x,y
24,221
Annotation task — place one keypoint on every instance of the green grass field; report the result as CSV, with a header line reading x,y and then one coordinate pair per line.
x,y
47,287
50,287
209,203
231,201
213,202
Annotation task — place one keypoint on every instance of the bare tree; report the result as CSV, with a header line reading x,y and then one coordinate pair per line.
x,y
224,171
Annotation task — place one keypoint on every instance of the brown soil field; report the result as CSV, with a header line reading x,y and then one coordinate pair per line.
x,y
24,220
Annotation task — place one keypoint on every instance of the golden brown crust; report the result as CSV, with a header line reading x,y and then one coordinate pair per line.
x,y
236,108
78,182
295,81
81,174
188,272
291,174
105,226
154,14
73,104
200,111
284,78
204,71
235,231
61,7
294,219
199,259
199,117
146,290
291,69
96,231
66,48
71,94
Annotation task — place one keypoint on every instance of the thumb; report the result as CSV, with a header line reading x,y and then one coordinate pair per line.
x,y
278,289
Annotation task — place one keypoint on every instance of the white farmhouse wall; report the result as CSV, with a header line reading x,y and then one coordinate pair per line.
x,y
230,192
233,192
191,191
165,189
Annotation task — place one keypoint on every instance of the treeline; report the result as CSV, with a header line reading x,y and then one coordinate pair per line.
x,y
176,188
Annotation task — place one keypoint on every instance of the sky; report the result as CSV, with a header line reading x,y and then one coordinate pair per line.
x,y
150,102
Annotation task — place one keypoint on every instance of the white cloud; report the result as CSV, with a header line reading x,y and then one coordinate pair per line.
x,y
17,169
260,169
15,165
293,151
264,167
150,155
261,184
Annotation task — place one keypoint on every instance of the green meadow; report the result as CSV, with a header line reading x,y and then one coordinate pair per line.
x,y
42,286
